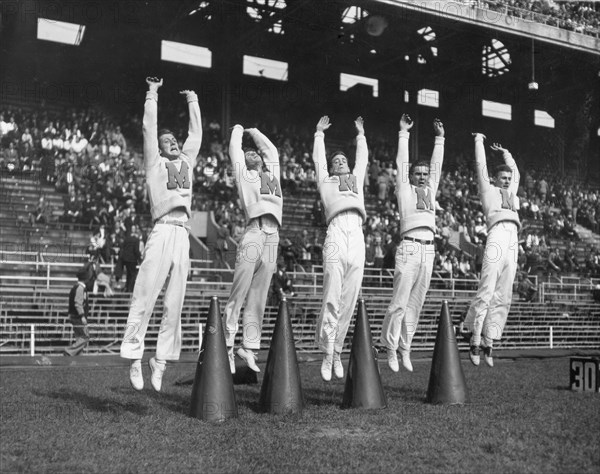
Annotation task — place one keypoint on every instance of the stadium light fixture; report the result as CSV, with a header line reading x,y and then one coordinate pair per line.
x,y
532,86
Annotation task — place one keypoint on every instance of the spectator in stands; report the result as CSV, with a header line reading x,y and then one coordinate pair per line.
x,y
26,157
526,288
416,188
389,251
596,293
8,130
568,229
237,227
221,244
41,214
342,192
379,252
369,251
301,246
316,248
542,189
318,212
283,285
554,262
72,209
97,244
168,178
592,262
130,256
78,315
383,184
570,259
464,268
288,254
117,138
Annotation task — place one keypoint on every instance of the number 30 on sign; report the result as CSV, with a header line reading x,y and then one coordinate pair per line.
x,y
585,375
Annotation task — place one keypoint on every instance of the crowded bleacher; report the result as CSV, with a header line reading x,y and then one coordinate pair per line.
x,y
581,17
85,156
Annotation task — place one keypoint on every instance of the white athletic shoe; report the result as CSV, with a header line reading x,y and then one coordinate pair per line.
x,y
231,359
158,369
406,363
326,367
135,375
338,368
249,357
474,355
487,356
392,357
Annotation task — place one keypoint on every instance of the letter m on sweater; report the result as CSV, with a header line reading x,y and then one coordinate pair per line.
x,y
507,200
423,198
178,178
348,183
269,185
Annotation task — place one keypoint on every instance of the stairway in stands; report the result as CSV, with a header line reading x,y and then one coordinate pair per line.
x,y
19,195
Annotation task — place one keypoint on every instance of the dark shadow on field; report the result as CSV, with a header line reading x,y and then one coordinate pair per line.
x,y
247,397
331,394
98,404
405,394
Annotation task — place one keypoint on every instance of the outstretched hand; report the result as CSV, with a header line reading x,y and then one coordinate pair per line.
x,y
498,147
323,124
186,92
359,123
477,134
406,123
154,83
438,127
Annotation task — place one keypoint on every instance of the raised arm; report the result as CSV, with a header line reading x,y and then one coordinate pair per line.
x,y
483,177
402,176
319,156
510,161
362,151
236,154
192,144
150,121
268,151
437,157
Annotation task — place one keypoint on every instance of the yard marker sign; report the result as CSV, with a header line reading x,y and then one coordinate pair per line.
x,y
585,374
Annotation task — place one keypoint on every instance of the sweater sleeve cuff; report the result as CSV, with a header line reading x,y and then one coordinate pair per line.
x,y
360,137
238,127
478,138
440,140
152,95
319,135
403,134
191,97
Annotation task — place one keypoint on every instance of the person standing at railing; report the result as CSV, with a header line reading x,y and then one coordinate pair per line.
x,y
78,314
488,312
169,178
416,188
341,191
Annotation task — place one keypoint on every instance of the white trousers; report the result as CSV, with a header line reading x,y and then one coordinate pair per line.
x,y
488,312
343,268
412,276
256,261
166,256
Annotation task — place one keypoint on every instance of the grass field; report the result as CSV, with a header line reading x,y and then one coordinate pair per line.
x,y
522,418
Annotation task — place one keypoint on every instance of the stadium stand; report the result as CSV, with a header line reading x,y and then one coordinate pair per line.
x,y
67,171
